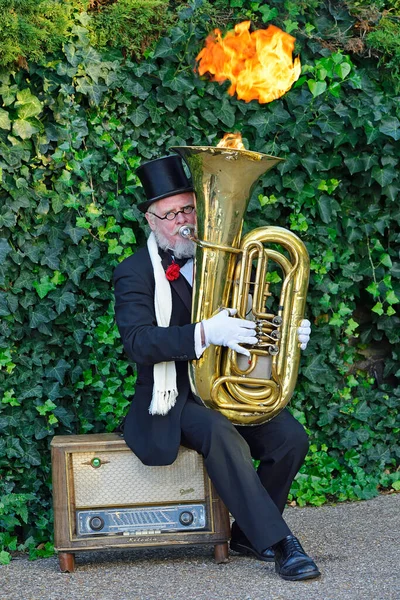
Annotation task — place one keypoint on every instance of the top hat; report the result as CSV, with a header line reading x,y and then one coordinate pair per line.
x,y
161,178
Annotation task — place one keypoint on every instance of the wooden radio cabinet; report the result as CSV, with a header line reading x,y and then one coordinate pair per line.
x,y
104,497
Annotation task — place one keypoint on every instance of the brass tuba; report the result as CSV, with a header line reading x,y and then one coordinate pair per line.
x,y
223,179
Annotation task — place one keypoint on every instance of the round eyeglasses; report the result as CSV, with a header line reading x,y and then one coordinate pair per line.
x,y
170,216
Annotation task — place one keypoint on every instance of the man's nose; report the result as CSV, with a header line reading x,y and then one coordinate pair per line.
x,y
180,218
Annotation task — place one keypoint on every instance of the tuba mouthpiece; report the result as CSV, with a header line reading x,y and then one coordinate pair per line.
x,y
186,232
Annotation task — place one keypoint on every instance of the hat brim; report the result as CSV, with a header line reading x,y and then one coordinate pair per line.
x,y
144,206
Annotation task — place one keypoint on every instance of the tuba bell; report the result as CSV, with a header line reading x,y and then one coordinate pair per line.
x,y
231,271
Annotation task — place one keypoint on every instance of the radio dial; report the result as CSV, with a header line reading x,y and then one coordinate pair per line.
x,y
186,518
96,523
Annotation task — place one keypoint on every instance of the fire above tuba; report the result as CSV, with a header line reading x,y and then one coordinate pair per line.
x,y
232,272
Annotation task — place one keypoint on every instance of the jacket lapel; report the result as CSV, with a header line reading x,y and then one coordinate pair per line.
x,y
180,285
182,288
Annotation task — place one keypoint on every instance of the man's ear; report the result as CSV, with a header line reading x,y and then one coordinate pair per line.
x,y
150,219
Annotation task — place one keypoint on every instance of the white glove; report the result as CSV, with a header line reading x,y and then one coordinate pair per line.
x,y
223,330
303,333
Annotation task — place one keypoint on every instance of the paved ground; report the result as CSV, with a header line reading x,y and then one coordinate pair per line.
x,y
355,545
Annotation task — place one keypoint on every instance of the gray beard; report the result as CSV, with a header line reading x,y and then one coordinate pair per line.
x,y
181,248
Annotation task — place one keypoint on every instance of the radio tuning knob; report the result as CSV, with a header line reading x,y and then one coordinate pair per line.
x,y
186,518
96,523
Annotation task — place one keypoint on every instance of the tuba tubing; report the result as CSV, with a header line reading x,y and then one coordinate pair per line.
x,y
223,180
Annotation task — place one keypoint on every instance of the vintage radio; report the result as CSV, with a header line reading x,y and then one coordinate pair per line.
x,y
104,497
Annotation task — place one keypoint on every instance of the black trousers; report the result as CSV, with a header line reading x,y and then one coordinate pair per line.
x,y
256,499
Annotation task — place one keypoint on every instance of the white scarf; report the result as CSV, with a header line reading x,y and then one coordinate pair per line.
x,y
165,390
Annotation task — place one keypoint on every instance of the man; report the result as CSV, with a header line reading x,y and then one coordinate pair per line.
x,y
153,305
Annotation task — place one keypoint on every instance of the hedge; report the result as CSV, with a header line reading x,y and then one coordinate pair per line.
x,y
73,130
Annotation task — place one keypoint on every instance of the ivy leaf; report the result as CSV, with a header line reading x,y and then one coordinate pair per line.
x,y
64,299
209,116
127,237
70,54
378,308
316,87
391,127
32,456
268,14
94,65
325,208
75,272
386,260
7,218
4,309
349,439
136,89
67,417
379,453
94,91
44,286
5,122
163,49
51,390
24,280
24,129
372,132
5,249
343,69
391,297
27,104
373,289
39,314
260,121
45,408
225,113
391,191
181,84
354,163
88,256
294,181
311,164
58,371
5,557
139,116
362,412
316,369
75,233
383,176
102,271
170,101
57,203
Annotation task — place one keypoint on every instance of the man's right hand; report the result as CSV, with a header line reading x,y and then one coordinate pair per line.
x,y
223,330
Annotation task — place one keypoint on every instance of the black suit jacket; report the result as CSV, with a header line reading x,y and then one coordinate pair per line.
x,y
154,439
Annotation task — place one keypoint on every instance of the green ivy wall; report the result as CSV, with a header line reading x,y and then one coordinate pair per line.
x,y
73,130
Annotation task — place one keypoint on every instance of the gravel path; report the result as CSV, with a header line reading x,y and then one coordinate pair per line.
x,y
356,546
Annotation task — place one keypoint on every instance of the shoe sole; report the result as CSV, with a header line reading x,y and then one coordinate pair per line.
x,y
303,577
245,550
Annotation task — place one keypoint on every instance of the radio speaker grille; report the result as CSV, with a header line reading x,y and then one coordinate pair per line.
x,y
119,478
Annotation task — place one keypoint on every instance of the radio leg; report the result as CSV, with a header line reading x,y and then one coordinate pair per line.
x,y
67,562
221,553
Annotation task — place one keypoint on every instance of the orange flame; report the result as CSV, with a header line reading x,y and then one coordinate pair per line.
x,y
259,65
232,140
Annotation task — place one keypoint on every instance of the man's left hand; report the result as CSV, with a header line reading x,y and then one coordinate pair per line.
x,y
303,333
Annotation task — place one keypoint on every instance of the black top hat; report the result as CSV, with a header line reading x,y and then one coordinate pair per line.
x,y
161,178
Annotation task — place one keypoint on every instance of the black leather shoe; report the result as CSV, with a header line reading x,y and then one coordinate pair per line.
x,y
291,562
243,546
